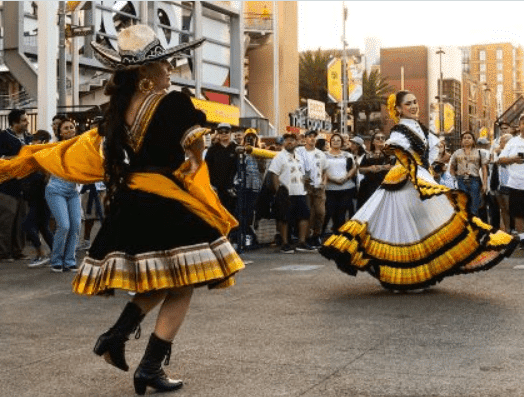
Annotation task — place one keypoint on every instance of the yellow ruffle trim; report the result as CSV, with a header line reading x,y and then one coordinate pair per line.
x,y
213,265
359,242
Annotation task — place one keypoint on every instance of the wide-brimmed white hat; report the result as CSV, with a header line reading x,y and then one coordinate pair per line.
x,y
137,45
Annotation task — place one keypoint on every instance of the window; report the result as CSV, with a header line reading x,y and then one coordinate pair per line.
x,y
499,54
500,88
482,78
482,55
499,78
500,66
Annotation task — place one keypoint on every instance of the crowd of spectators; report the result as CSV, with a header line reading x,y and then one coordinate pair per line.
x,y
42,206
310,184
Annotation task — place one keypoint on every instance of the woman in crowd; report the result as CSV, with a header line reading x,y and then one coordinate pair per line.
x,y
64,202
501,188
164,231
412,232
340,186
466,165
374,166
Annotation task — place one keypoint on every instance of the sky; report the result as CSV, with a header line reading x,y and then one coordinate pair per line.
x,y
410,23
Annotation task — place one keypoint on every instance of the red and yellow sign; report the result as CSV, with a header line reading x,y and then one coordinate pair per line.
x,y
218,112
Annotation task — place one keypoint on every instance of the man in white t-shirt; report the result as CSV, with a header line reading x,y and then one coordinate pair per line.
x,y
290,202
314,163
513,157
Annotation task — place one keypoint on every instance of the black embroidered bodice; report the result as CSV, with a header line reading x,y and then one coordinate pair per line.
x,y
417,144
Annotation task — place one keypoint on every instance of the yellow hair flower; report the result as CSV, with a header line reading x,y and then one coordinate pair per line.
x,y
391,108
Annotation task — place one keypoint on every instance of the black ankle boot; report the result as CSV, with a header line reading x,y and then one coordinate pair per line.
x,y
150,372
111,344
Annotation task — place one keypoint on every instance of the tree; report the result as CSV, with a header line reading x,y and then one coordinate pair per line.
x,y
375,91
312,74
313,77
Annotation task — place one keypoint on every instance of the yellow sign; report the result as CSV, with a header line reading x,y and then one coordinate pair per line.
x,y
74,5
334,80
449,118
483,133
218,112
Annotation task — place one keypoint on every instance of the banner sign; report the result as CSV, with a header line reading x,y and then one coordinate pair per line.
x,y
334,80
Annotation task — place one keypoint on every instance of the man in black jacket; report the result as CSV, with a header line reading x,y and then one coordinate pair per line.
x,y
12,206
221,159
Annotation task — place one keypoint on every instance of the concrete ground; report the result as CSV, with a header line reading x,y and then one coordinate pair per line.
x,y
293,326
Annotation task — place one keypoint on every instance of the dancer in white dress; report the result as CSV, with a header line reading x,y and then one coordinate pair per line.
x,y
413,232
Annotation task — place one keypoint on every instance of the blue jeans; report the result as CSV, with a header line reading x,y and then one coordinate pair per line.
x,y
64,202
472,186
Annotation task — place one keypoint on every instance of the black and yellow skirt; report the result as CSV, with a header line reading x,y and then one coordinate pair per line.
x,y
148,243
412,235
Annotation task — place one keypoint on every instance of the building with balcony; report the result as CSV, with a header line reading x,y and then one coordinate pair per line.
x,y
240,42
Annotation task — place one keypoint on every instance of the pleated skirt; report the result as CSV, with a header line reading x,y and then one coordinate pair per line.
x,y
149,243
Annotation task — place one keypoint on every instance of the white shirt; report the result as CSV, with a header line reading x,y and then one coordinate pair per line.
x,y
313,162
337,168
290,172
516,171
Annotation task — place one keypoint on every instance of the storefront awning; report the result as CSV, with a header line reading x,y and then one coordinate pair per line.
x,y
218,112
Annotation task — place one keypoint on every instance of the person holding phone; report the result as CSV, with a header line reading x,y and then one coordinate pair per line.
x,y
512,156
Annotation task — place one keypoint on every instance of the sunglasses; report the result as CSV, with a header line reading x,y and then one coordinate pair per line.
x,y
380,138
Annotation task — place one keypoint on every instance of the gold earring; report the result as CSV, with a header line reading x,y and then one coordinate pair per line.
x,y
146,86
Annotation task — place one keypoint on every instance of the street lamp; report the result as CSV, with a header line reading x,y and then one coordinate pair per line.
x,y
440,103
343,105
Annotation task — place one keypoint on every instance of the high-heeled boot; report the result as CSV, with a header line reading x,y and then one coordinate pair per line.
x,y
111,344
150,372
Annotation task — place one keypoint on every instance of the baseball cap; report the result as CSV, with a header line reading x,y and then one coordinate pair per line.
x,y
224,125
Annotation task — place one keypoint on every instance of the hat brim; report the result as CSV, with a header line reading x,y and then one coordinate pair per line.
x,y
193,134
112,59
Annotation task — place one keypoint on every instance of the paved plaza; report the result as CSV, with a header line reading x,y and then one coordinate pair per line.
x,y
293,326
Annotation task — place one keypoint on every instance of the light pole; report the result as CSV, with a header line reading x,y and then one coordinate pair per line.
x,y
440,102
343,105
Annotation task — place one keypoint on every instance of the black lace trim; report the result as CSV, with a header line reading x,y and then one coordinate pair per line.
x,y
416,143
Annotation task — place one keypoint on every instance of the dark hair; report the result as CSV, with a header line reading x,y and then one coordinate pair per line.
x,y
372,144
42,135
334,135
59,126
14,116
321,144
471,134
59,116
400,96
120,89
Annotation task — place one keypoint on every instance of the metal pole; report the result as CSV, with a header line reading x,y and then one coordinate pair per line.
x,y
343,128
440,102
75,69
198,51
276,69
61,54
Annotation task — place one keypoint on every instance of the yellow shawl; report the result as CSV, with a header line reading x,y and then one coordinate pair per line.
x,y
80,160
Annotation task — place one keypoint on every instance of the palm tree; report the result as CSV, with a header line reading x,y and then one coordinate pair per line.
x,y
313,74
375,91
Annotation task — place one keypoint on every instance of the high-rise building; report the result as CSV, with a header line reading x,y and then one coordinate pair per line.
x,y
498,66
